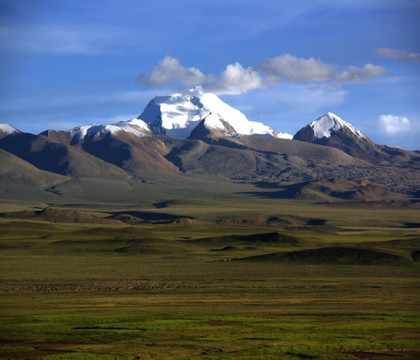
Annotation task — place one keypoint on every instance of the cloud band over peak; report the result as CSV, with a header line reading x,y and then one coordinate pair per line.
x,y
235,79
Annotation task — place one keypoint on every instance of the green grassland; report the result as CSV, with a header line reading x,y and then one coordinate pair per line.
x,y
232,277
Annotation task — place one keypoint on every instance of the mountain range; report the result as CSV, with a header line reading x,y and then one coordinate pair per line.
x,y
196,141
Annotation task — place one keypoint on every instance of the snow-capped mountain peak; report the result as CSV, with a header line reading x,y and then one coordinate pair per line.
x,y
177,115
182,115
331,130
6,129
329,122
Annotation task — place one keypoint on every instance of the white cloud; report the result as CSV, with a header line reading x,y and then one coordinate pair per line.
x,y
354,74
397,54
170,71
298,69
397,131
236,79
295,69
393,124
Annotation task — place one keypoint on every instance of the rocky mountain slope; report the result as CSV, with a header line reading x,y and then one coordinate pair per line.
x,y
16,173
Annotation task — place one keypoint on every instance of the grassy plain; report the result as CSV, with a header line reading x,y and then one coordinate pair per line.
x,y
210,279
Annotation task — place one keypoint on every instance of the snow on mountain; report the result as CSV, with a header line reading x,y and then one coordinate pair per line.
x,y
331,130
6,129
282,135
329,122
177,115
134,126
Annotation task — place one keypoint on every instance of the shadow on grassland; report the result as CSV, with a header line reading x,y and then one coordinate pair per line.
x,y
272,238
334,255
138,217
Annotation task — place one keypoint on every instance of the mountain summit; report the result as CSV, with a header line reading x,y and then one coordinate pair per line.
x,y
6,130
192,114
179,115
331,130
328,123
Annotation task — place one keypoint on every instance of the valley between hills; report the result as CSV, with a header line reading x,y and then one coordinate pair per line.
x,y
124,242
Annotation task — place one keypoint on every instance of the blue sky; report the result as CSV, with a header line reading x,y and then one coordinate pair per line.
x,y
284,63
